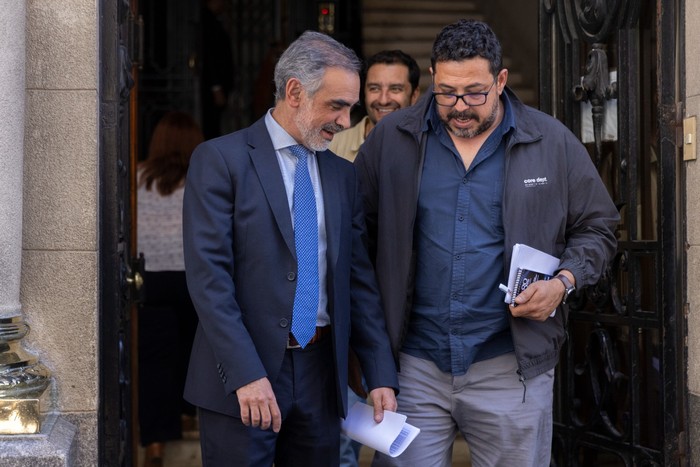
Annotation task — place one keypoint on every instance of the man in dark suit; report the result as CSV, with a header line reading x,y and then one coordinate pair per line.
x,y
264,393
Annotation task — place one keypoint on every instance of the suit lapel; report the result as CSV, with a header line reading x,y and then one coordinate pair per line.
x,y
264,159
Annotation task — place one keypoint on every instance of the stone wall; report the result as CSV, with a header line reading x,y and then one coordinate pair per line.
x,y
692,107
59,287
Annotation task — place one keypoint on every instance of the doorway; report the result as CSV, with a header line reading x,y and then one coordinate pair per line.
x,y
610,72
620,390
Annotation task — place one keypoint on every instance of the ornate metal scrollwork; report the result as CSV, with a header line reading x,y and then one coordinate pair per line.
x,y
593,21
596,19
126,79
606,382
596,88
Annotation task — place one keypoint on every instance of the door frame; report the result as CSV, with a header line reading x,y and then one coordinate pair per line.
x,y
116,278
563,37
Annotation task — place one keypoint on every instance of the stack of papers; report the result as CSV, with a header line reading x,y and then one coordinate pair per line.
x,y
531,259
391,437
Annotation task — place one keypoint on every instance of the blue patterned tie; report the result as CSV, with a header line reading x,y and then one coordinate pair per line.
x,y
306,241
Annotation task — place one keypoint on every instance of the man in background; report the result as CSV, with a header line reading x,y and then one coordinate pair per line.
x,y
391,79
391,83
217,67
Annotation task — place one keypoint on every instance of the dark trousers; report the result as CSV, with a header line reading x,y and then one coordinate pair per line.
x,y
167,323
307,396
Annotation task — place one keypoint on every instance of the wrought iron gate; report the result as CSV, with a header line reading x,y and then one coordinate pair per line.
x,y
609,69
118,279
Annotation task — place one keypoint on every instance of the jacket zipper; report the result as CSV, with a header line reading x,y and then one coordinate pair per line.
x,y
521,378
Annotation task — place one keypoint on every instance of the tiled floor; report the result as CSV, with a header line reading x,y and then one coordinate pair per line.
x,y
185,453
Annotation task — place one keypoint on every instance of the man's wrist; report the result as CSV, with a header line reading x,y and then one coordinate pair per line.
x,y
568,284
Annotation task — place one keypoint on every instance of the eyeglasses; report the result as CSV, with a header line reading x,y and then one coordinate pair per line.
x,y
471,99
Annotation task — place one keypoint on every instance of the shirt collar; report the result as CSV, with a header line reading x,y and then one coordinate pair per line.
x,y
279,136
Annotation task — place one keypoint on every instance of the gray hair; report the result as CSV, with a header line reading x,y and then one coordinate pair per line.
x,y
307,58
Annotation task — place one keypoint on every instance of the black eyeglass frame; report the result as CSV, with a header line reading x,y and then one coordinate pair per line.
x,y
481,95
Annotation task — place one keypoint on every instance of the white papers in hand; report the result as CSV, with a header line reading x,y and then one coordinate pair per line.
x,y
391,437
526,257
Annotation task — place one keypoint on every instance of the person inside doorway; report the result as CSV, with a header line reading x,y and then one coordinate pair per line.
x,y
166,317
217,67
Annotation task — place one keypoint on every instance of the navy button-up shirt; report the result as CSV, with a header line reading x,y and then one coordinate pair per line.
x,y
458,315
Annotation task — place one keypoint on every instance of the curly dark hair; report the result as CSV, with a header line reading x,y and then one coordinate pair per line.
x,y
467,39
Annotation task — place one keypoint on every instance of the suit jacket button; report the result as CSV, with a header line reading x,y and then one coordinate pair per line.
x,y
291,276
284,323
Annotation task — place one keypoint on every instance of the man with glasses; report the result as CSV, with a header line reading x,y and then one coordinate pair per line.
x,y
449,186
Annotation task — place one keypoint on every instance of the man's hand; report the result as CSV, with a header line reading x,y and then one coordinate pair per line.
x,y
382,399
259,405
540,299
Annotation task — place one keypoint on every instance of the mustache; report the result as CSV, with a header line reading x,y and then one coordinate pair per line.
x,y
333,128
463,115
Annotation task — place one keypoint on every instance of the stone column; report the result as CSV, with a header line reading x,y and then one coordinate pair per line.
x,y
22,378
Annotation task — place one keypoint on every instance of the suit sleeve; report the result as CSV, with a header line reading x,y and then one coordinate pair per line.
x,y
368,188
208,207
368,337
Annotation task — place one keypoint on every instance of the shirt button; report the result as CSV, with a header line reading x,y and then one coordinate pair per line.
x,y
458,257
461,218
291,276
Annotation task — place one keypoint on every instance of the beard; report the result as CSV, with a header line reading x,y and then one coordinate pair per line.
x,y
311,135
482,126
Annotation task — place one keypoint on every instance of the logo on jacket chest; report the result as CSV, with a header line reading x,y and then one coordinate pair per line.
x,y
531,182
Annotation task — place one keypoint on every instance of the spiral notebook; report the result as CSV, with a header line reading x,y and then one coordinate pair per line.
x,y
525,277
526,258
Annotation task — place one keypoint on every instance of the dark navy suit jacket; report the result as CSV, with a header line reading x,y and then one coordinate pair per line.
x,y
241,270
